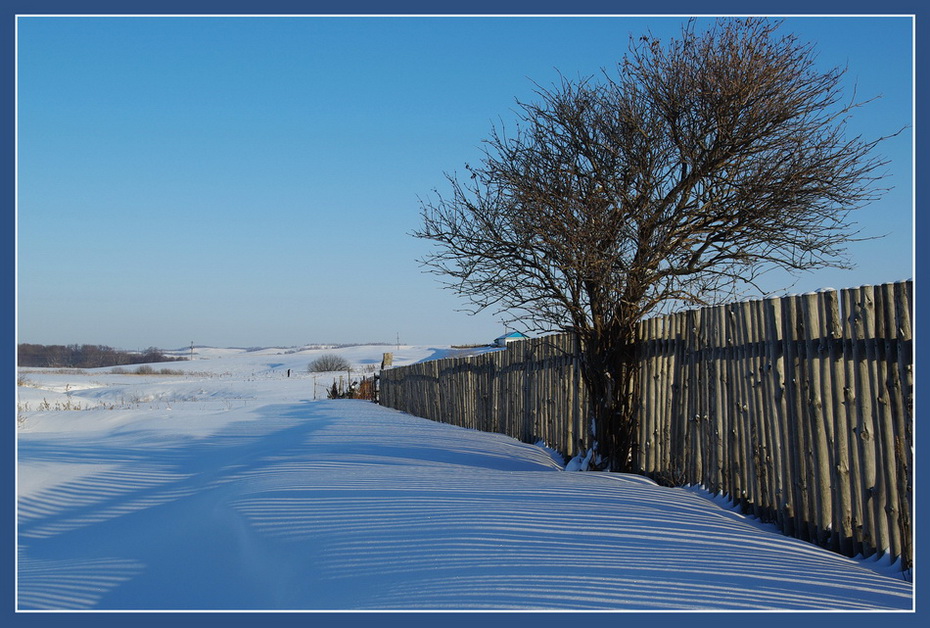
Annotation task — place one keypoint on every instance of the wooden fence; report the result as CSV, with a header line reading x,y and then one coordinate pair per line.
x,y
797,408
531,391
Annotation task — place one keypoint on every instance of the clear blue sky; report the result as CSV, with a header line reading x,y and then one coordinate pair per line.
x,y
252,181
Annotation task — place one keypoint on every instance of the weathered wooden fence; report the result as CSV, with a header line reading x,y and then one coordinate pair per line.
x,y
797,408
531,391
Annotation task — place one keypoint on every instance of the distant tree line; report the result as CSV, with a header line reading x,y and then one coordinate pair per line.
x,y
85,356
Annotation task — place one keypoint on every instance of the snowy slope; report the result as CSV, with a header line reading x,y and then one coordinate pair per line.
x,y
230,487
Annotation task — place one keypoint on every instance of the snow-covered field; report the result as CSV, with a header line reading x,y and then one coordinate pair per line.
x,y
234,486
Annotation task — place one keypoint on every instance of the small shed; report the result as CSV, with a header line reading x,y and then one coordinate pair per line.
x,y
502,341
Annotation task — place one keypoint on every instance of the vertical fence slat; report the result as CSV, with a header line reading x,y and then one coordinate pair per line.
x,y
760,415
864,328
820,483
737,435
884,340
720,399
903,440
665,391
774,417
755,450
739,430
648,386
838,419
850,394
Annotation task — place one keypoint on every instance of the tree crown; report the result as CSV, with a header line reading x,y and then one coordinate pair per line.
x,y
685,174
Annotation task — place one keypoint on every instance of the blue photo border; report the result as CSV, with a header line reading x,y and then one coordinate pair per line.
x,y
413,619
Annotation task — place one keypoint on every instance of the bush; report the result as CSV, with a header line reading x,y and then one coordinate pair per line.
x,y
329,362
360,389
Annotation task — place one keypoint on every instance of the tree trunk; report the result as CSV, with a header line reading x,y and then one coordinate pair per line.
x,y
610,372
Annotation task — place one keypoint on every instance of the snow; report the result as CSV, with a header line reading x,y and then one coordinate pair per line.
x,y
230,487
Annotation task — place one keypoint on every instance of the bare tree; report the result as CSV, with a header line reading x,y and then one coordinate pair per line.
x,y
697,166
329,362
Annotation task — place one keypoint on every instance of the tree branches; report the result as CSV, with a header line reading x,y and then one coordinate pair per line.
x,y
723,153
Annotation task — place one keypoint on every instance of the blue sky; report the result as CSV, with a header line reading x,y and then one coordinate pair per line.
x,y
252,181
